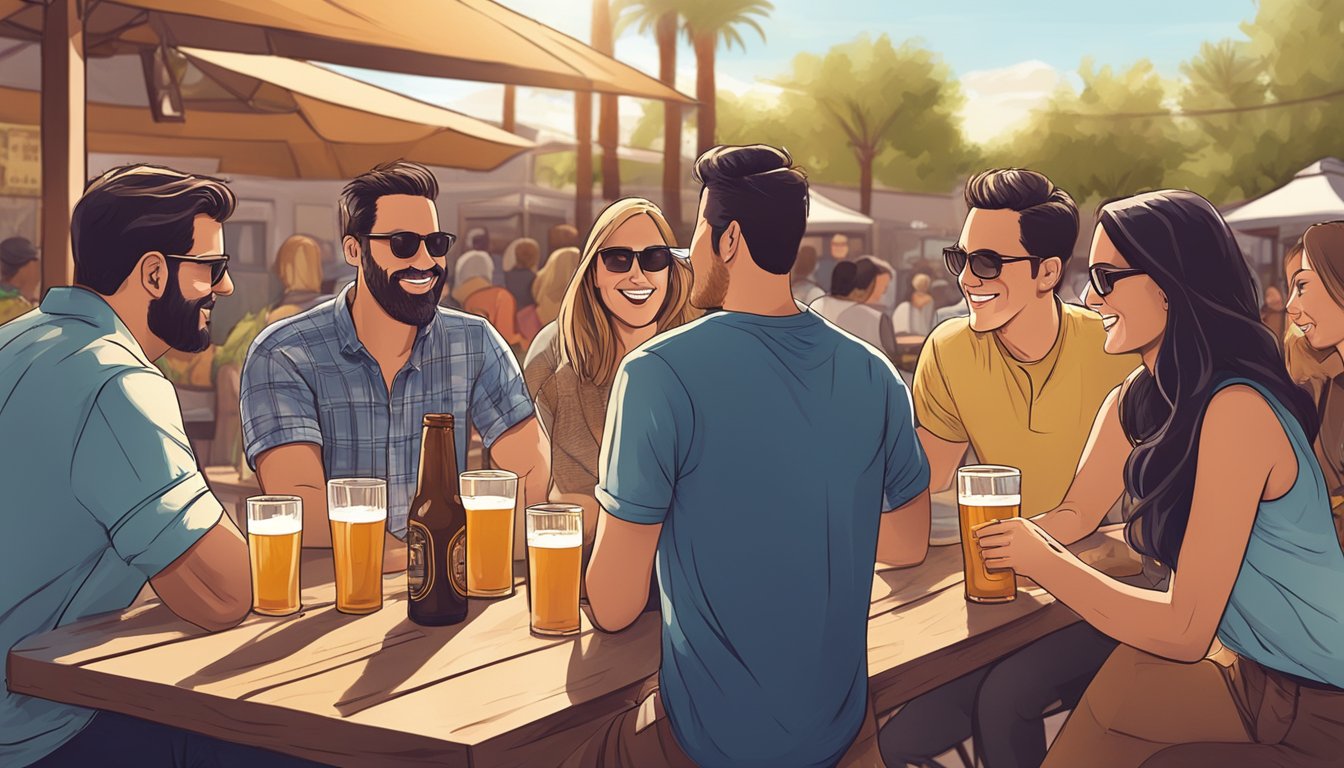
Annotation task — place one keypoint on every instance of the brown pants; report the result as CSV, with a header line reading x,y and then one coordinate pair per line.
x,y
1142,710
641,737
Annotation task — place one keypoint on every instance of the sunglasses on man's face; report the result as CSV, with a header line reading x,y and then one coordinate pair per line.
x,y
985,264
1104,277
655,258
406,244
219,264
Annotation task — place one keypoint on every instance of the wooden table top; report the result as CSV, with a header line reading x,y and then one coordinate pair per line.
x,y
380,690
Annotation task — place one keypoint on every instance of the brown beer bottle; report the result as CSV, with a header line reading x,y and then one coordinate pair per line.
x,y
436,536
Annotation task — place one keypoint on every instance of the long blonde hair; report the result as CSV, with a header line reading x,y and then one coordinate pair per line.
x,y
548,290
587,336
298,264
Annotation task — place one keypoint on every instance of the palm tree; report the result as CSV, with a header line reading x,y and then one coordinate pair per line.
x,y
707,22
662,18
608,126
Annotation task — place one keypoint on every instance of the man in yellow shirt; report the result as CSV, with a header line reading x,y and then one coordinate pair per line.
x,y
1020,381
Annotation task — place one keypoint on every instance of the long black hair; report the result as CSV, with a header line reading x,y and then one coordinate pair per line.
x,y
1213,333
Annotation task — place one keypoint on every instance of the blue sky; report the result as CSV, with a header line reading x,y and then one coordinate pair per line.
x,y
1010,54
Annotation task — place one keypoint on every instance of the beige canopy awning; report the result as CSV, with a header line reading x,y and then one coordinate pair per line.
x,y
459,39
271,116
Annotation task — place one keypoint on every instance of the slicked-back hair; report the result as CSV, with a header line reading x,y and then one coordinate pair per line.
x,y
759,187
359,199
1049,216
134,209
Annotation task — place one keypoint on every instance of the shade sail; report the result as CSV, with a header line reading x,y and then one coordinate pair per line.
x,y
460,39
271,116
826,215
1315,194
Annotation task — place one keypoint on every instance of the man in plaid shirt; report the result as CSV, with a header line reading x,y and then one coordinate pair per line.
x,y
340,390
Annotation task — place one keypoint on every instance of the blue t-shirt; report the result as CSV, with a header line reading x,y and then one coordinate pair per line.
x,y
767,447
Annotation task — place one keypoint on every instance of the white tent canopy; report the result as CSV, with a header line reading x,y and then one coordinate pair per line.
x,y
826,215
1315,194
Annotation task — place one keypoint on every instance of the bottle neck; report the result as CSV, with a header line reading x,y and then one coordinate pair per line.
x,y
438,459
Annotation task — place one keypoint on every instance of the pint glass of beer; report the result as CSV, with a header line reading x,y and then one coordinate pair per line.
x,y
985,494
274,531
357,508
489,497
554,553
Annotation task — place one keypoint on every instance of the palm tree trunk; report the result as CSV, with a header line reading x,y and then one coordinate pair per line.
x,y
510,108
706,92
667,72
608,127
865,158
583,169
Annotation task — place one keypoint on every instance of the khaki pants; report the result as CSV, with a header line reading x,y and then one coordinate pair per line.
x,y
641,737
1142,710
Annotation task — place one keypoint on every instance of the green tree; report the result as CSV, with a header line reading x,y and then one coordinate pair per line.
x,y
1112,138
883,110
707,23
661,17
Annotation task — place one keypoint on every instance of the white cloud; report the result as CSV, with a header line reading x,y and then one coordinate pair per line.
x,y
999,101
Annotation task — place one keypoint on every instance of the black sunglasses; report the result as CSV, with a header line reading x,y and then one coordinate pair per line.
x,y
655,258
407,244
219,264
985,263
1104,278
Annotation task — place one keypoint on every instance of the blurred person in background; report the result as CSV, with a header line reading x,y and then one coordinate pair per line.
x,y
474,289
915,315
884,285
521,259
852,284
552,281
805,287
20,277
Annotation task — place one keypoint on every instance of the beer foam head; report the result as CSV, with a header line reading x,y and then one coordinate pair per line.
x,y
358,514
487,502
555,539
991,500
281,525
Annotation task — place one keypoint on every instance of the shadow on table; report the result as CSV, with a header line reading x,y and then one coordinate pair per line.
x,y
405,650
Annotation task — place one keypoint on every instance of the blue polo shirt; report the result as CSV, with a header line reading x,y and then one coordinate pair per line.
x,y
101,488
767,447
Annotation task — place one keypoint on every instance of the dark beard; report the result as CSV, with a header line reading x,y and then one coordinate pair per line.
x,y
709,290
406,308
177,320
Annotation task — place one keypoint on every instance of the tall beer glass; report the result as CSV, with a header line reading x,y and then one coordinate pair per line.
x,y
357,508
984,494
554,553
274,533
489,497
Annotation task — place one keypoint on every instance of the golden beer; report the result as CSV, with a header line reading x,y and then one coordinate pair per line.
x,y
489,546
357,536
554,562
275,566
986,494
274,538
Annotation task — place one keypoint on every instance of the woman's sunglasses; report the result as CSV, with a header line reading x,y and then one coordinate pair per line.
x,y
655,258
219,264
1104,278
985,264
407,244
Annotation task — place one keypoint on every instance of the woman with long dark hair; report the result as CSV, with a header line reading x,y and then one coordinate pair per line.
x,y
1239,661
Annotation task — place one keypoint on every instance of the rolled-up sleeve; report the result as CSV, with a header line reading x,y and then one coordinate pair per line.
x,y
278,407
134,471
499,397
648,426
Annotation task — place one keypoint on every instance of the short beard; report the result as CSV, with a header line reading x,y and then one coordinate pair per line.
x,y
708,291
406,308
177,320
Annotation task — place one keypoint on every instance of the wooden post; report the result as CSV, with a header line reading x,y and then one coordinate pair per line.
x,y
64,162
510,107
583,170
